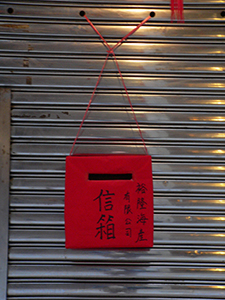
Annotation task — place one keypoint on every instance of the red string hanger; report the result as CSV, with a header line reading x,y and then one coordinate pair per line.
x,y
177,9
110,51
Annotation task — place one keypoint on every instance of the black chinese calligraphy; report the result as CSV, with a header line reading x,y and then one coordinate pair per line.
x,y
106,227
142,219
106,199
128,221
140,237
141,203
141,188
127,197
128,232
127,209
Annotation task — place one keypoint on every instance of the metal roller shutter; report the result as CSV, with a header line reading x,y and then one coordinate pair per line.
x,y
50,60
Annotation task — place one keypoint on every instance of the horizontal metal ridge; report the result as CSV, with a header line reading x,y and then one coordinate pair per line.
x,y
110,11
54,167
113,82
145,71
124,256
169,204
173,238
105,273
112,72
89,2
74,64
27,88
53,151
178,222
117,133
53,185
68,100
146,39
112,290
113,33
122,116
146,51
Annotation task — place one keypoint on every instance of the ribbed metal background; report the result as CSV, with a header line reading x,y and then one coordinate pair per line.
x,y
51,58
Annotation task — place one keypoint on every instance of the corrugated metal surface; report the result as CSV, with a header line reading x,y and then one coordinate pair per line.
x,y
51,58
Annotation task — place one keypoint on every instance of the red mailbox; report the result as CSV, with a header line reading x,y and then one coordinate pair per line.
x,y
108,201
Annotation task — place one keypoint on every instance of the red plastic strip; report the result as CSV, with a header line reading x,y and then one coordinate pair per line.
x,y
172,7
177,9
180,11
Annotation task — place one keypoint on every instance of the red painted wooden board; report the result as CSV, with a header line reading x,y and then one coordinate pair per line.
x,y
108,201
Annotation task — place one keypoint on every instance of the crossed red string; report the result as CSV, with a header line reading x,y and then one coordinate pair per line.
x,y
110,51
